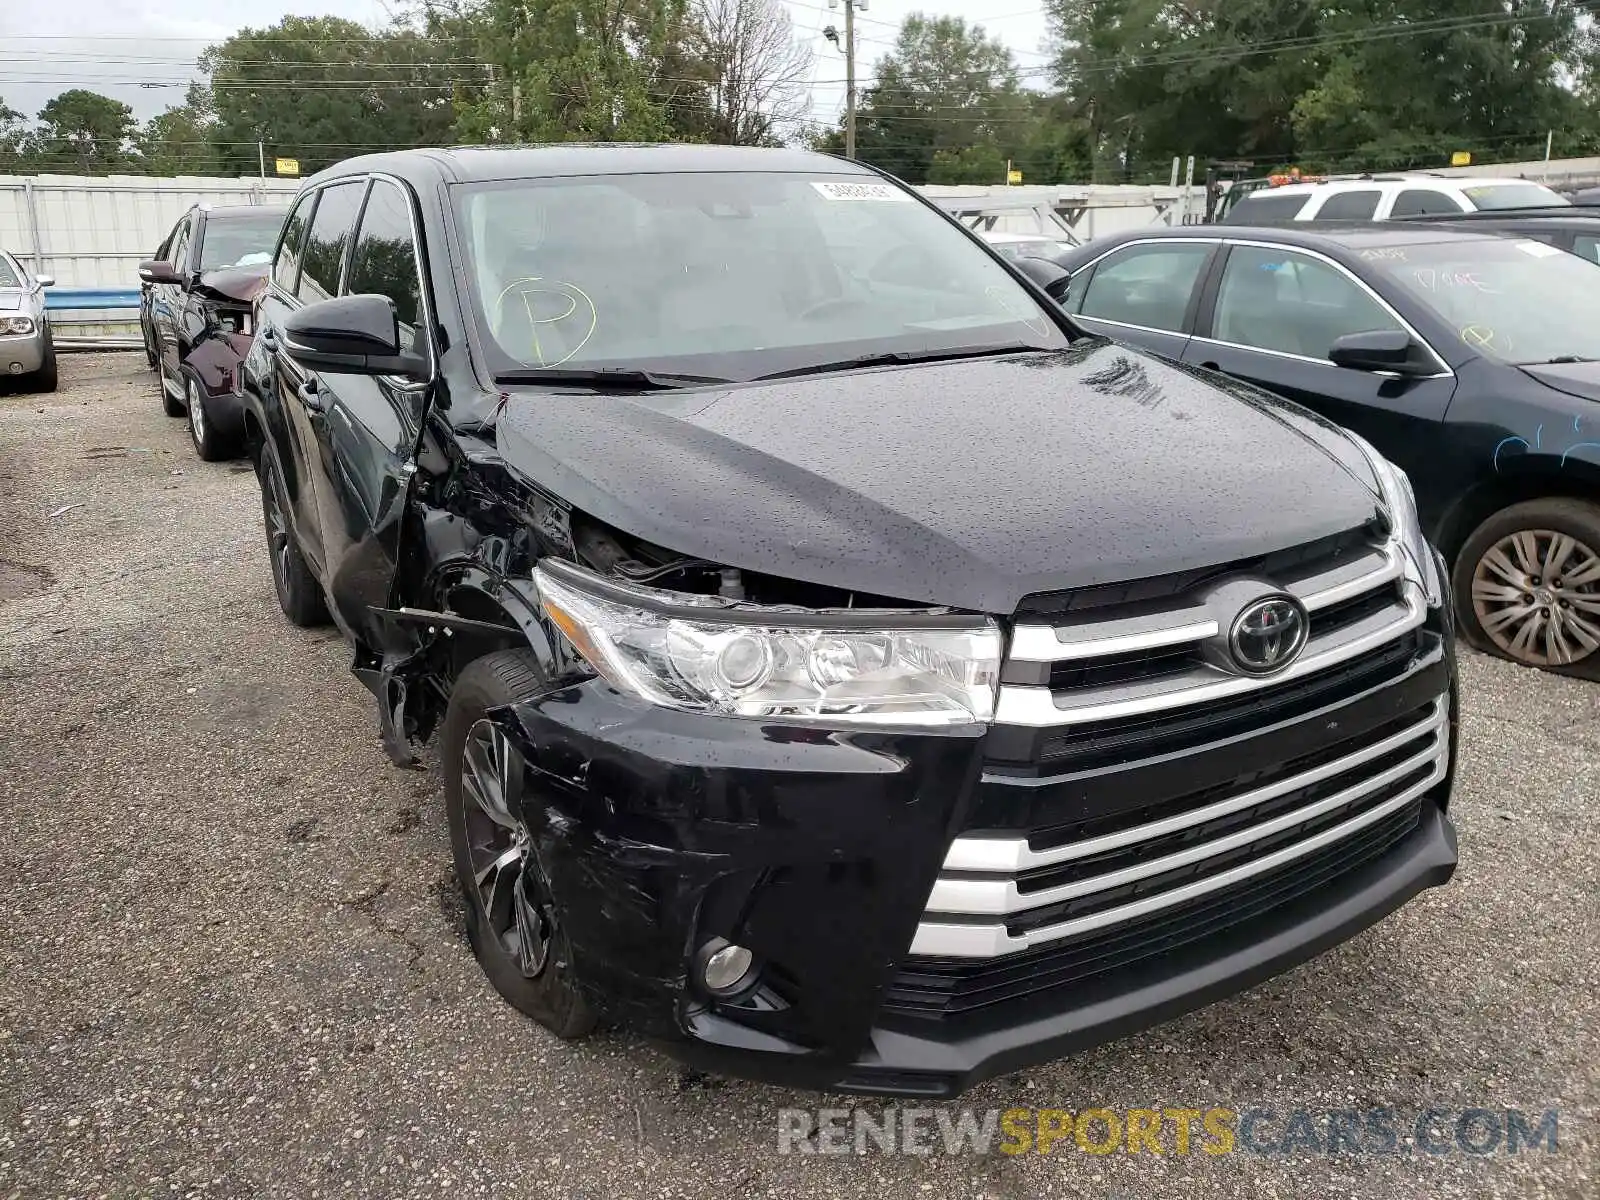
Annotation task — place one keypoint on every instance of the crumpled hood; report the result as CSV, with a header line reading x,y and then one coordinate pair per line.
x,y
243,284
970,484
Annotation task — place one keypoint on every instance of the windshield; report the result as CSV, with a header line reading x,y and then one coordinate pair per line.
x,y
1496,295
728,275
1493,196
244,241
8,277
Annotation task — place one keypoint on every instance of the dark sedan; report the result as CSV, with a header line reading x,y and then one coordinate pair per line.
x,y
1470,359
195,314
1573,229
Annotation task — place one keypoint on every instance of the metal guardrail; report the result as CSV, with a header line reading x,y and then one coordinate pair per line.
x,y
95,300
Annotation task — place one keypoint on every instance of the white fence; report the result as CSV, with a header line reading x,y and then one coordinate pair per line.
x,y
91,233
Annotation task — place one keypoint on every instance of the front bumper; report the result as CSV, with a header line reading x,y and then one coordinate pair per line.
x,y
817,850
22,353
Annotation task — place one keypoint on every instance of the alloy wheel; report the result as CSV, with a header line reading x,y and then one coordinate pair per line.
x,y
1536,593
277,528
504,875
197,413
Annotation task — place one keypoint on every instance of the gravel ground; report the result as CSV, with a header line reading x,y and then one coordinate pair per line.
x,y
232,963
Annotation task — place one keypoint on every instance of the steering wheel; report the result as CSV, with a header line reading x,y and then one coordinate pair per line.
x,y
553,305
832,305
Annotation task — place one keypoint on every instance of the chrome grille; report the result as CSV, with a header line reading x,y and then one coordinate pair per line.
x,y
1003,894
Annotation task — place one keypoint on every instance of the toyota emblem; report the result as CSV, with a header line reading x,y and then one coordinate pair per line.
x,y
1268,635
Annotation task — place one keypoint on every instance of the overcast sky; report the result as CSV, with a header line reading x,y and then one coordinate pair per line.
x,y
134,52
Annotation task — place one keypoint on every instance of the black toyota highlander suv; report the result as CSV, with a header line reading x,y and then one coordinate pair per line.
x,y
846,671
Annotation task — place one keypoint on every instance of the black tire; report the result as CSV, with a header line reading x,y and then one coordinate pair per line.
x,y
550,993
1576,519
150,354
210,443
47,377
173,408
299,593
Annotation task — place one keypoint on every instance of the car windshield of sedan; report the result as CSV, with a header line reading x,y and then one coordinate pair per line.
x,y
1517,300
731,276
245,241
8,277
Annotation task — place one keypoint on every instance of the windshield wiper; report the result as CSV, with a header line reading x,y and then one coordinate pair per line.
x,y
1560,358
886,357
629,379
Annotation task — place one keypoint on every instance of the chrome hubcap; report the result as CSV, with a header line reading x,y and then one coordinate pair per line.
x,y
197,413
498,845
1536,593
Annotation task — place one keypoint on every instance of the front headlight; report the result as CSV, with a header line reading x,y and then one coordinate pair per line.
x,y
16,325
699,654
1401,503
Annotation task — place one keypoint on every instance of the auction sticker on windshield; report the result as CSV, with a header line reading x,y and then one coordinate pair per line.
x,y
859,191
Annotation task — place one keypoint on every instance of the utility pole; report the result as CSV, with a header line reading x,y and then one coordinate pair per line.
x,y
849,78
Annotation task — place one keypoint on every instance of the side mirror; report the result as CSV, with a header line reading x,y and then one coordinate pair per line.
x,y
353,335
1052,277
154,270
1378,350
45,281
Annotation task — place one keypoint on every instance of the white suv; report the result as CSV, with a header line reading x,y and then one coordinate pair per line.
x,y
1379,197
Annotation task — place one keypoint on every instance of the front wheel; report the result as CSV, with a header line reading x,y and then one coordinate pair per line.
x,y
47,377
1527,584
512,920
209,442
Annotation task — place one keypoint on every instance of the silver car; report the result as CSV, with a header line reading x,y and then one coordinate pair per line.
x,y
26,350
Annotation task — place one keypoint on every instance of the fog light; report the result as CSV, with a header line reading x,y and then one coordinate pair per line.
x,y
16,368
726,968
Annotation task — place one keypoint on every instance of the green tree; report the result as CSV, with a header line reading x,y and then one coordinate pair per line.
x,y
947,101
583,70
321,89
84,131
13,138
179,141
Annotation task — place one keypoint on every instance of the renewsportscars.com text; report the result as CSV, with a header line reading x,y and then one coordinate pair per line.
x,y
1167,1131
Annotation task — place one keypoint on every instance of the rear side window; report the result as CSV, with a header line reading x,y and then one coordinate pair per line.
x,y
385,257
1349,206
1147,285
1264,208
286,267
331,226
1419,202
1585,246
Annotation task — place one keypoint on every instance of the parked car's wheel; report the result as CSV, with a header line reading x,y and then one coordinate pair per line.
x,y
512,922
210,443
171,404
150,354
299,594
1527,583
46,378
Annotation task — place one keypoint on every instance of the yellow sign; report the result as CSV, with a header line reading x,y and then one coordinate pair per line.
x,y
1461,158
288,166
1013,176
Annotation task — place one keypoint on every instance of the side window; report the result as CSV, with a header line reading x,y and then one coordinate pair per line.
x,y
286,267
1588,247
1266,208
1349,206
1419,202
331,226
178,253
385,258
1280,300
1147,285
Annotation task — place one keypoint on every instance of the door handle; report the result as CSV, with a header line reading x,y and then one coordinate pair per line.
x,y
310,395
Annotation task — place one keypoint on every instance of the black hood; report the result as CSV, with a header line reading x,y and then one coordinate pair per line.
x,y
970,484
1575,379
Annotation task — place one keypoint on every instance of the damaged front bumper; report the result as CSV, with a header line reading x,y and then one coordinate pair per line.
x,y
817,850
